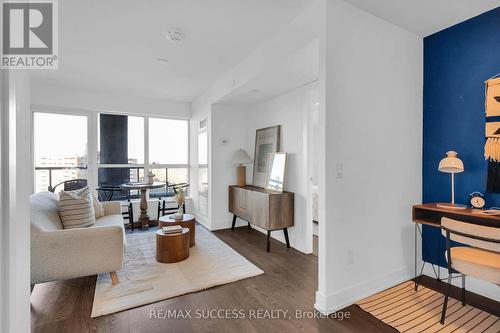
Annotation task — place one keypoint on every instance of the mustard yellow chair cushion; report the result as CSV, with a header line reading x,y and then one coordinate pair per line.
x,y
475,262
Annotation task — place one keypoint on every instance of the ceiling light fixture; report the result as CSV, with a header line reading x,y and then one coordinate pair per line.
x,y
175,35
162,60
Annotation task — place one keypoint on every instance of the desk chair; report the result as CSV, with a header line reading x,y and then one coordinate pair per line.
x,y
481,260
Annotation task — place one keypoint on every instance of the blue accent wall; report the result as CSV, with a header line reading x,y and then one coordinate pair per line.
x,y
457,61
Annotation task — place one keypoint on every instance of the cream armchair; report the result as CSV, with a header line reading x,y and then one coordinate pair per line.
x,y
58,254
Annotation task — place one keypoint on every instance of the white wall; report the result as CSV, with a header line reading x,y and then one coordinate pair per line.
x,y
49,95
15,188
229,123
371,105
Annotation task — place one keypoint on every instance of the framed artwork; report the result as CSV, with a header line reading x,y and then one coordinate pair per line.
x,y
267,141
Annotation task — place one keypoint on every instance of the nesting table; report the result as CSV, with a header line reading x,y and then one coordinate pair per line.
x,y
172,248
188,221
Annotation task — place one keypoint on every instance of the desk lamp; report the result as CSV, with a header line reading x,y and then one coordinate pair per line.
x,y
451,164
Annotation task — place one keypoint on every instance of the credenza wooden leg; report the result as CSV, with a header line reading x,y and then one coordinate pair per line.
x,y
268,240
285,231
234,222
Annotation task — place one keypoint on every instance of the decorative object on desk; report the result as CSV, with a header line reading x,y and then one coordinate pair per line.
x,y
451,164
275,175
151,178
267,141
477,200
241,157
179,199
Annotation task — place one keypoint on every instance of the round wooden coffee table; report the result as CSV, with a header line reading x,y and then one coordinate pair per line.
x,y
172,247
187,221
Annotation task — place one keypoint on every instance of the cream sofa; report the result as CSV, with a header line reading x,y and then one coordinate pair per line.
x,y
58,254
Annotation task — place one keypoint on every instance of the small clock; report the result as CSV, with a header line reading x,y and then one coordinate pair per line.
x,y
477,200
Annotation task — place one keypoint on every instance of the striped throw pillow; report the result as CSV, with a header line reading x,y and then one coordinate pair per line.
x,y
76,208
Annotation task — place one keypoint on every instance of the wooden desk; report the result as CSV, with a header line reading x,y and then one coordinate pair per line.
x,y
430,214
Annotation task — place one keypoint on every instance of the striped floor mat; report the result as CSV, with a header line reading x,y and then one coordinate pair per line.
x,y
408,310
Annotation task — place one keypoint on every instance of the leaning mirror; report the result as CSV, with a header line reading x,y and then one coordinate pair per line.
x,y
275,174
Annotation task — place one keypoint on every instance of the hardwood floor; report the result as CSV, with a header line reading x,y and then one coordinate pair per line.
x,y
289,283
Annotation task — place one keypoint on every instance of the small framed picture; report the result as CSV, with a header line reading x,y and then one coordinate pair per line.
x,y
267,141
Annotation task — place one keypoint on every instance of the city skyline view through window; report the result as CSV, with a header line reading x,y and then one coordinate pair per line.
x,y
61,150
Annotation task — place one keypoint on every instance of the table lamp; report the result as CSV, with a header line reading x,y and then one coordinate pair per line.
x,y
241,157
451,164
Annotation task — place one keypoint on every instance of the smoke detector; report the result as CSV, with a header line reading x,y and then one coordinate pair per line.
x,y
175,35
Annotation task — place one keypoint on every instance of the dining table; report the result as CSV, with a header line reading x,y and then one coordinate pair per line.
x,y
142,187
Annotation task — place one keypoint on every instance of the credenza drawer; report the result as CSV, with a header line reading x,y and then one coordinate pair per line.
x,y
243,204
260,209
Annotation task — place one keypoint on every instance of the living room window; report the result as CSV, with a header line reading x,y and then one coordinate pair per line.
x,y
60,149
129,147
123,148
168,151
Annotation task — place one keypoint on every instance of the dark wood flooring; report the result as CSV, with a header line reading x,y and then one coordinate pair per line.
x,y
289,283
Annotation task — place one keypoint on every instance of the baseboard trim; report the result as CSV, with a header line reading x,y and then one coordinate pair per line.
x,y
334,302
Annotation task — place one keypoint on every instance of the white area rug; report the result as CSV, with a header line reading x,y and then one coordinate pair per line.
x,y
143,280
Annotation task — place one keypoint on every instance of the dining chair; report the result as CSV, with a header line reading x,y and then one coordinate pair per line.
x,y
165,207
480,259
69,185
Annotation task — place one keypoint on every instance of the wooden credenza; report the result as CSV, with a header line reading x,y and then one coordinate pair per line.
x,y
269,210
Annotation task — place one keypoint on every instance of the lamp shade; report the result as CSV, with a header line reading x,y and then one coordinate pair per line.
x,y
451,163
241,157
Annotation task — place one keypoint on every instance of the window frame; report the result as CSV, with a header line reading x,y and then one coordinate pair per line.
x,y
92,141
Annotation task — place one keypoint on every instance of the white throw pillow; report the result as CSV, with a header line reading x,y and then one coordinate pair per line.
x,y
98,208
76,208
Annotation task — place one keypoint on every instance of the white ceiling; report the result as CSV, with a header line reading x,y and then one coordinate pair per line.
x,y
297,69
425,17
113,45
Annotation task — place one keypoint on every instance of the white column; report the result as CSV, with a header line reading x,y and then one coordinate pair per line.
x,y
15,189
